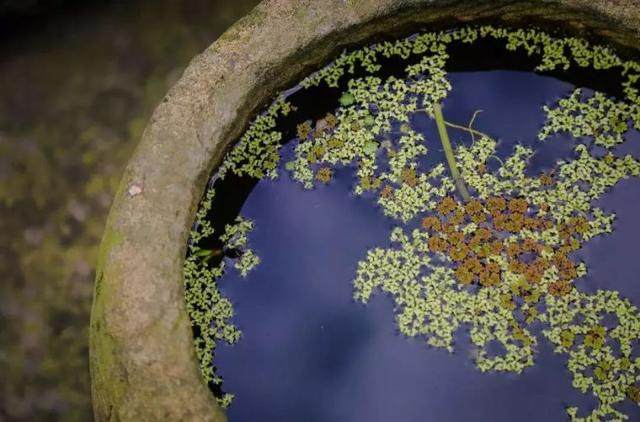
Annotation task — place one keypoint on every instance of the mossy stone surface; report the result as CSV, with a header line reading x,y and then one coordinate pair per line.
x,y
142,359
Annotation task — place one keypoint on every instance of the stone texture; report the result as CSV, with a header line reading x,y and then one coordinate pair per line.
x,y
143,365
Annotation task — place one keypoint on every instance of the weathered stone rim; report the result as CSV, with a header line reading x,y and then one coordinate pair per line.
x,y
143,365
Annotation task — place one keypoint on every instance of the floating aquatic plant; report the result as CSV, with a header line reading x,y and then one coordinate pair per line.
x,y
209,311
597,117
235,237
493,250
257,152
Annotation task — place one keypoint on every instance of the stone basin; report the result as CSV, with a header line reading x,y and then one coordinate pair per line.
x,y
143,364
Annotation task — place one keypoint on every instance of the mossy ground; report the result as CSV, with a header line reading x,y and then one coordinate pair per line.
x,y
75,94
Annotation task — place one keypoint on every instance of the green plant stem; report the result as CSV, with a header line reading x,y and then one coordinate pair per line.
x,y
448,152
468,129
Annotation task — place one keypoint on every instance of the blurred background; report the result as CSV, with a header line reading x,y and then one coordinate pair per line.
x,y
78,81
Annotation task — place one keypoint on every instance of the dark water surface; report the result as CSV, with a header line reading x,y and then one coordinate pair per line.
x,y
310,353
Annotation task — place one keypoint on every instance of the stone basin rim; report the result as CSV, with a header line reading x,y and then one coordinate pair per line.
x,y
143,365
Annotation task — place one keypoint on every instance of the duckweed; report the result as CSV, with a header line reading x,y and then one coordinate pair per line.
x,y
497,260
209,311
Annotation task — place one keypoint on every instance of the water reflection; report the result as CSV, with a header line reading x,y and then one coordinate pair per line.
x,y
309,352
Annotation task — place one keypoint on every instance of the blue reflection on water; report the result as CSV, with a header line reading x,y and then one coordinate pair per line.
x,y
310,353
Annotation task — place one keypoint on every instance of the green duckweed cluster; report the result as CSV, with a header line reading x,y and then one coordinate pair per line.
x,y
430,303
601,355
440,284
235,237
598,117
361,132
257,152
209,311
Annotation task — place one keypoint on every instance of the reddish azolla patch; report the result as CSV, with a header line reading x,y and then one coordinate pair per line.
x,y
409,177
324,175
633,392
497,219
